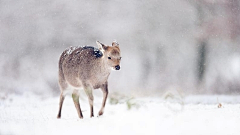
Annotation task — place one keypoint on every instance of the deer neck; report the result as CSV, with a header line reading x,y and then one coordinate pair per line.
x,y
105,68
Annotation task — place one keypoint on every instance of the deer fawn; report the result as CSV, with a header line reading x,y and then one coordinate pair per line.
x,y
87,68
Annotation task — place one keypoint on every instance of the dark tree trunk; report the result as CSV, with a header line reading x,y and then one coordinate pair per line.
x,y
202,50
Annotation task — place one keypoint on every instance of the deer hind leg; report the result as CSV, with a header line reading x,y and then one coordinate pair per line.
x,y
62,97
104,89
88,91
75,98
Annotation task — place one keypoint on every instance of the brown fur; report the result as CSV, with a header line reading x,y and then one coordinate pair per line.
x,y
87,68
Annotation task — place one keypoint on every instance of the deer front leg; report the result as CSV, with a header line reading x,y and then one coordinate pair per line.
x,y
75,98
60,105
104,89
88,91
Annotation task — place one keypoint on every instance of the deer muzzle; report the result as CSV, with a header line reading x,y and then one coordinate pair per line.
x,y
117,67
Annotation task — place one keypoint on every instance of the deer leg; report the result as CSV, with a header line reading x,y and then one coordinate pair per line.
x,y
60,105
104,89
75,98
88,91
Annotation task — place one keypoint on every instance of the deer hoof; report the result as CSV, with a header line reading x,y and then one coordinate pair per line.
x,y
100,113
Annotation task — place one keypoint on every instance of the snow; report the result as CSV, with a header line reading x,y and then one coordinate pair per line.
x,y
30,114
71,49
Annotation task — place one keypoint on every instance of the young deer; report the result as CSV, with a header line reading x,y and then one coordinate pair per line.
x,y
87,68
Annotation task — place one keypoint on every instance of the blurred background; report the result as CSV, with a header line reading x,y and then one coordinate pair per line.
x,y
190,46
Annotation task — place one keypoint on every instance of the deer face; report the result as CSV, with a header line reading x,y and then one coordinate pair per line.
x,y
111,54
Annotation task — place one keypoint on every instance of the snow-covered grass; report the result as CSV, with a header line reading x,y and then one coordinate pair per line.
x,y
33,115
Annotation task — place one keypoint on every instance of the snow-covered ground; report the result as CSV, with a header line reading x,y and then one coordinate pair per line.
x,y
195,115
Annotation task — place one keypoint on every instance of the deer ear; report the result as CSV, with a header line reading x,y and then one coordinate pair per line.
x,y
115,43
101,46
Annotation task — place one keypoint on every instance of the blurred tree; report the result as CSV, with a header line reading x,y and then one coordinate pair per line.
x,y
202,41
233,13
216,20
201,60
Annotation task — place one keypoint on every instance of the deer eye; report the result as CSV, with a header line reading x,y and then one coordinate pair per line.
x,y
109,58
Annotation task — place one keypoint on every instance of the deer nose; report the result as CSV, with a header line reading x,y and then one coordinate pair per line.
x,y
117,67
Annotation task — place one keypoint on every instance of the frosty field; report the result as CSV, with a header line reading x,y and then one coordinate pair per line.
x,y
197,115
